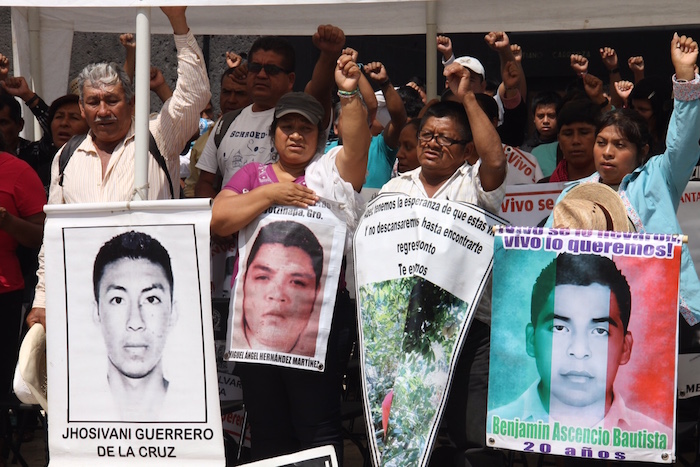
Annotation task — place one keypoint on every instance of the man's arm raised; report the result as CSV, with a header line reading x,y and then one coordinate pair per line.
x,y
329,40
487,143
377,73
178,119
352,158
177,18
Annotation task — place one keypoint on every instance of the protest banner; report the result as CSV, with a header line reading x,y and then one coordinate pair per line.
x,y
529,205
285,286
323,456
230,386
689,349
223,257
131,365
581,321
689,220
523,167
688,375
421,267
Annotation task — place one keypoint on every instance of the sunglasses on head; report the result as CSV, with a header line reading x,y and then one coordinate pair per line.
x,y
271,70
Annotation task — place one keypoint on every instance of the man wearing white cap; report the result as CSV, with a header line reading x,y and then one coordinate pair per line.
x,y
512,110
477,75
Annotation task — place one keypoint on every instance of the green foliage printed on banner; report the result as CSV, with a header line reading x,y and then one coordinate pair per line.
x,y
410,328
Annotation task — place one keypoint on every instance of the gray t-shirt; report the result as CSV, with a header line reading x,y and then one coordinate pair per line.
x,y
246,140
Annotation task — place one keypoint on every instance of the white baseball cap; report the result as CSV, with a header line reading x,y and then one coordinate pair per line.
x,y
473,64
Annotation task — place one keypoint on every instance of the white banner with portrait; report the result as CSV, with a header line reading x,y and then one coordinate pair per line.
x,y
421,266
285,287
131,363
689,219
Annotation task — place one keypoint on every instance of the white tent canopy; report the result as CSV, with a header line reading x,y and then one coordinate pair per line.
x,y
42,30
53,21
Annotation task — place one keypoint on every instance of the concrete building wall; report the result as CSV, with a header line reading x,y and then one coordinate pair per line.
x,y
97,47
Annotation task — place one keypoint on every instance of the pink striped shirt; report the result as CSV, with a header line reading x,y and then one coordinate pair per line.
x,y
172,127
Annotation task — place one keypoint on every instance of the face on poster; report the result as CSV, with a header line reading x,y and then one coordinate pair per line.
x,y
573,338
579,337
134,325
285,291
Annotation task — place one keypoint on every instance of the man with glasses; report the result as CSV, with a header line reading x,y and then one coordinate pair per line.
x,y
450,133
271,63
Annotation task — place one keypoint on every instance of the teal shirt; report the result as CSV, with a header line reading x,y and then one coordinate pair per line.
x,y
380,161
546,155
653,191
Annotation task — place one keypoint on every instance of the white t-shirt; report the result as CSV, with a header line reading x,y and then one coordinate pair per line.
x,y
246,140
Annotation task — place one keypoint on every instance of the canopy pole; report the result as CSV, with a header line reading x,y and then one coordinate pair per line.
x,y
430,49
143,102
35,71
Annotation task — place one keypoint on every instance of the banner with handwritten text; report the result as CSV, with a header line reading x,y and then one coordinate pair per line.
x,y
421,266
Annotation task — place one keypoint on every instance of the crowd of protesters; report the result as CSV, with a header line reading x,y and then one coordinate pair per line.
x,y
377,134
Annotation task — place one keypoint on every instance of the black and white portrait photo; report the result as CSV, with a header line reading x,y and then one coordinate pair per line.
x,y
134,325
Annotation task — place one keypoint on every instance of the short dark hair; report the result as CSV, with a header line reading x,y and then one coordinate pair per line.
x,y
60,102
227,72
492,85
631,125
659,94
10,102
582,270
413,122
453,111
546,98
488,105
412,101
131,245
290,234
280,46
447,95
578,111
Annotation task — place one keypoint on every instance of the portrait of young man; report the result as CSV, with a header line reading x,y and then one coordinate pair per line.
x,y
136,312
579,337
282,285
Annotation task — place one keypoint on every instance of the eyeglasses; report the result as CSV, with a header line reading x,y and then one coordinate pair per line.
x,y
444,141
270,69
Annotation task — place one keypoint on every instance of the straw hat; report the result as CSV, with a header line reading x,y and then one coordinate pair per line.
x,y
592,206
31,367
